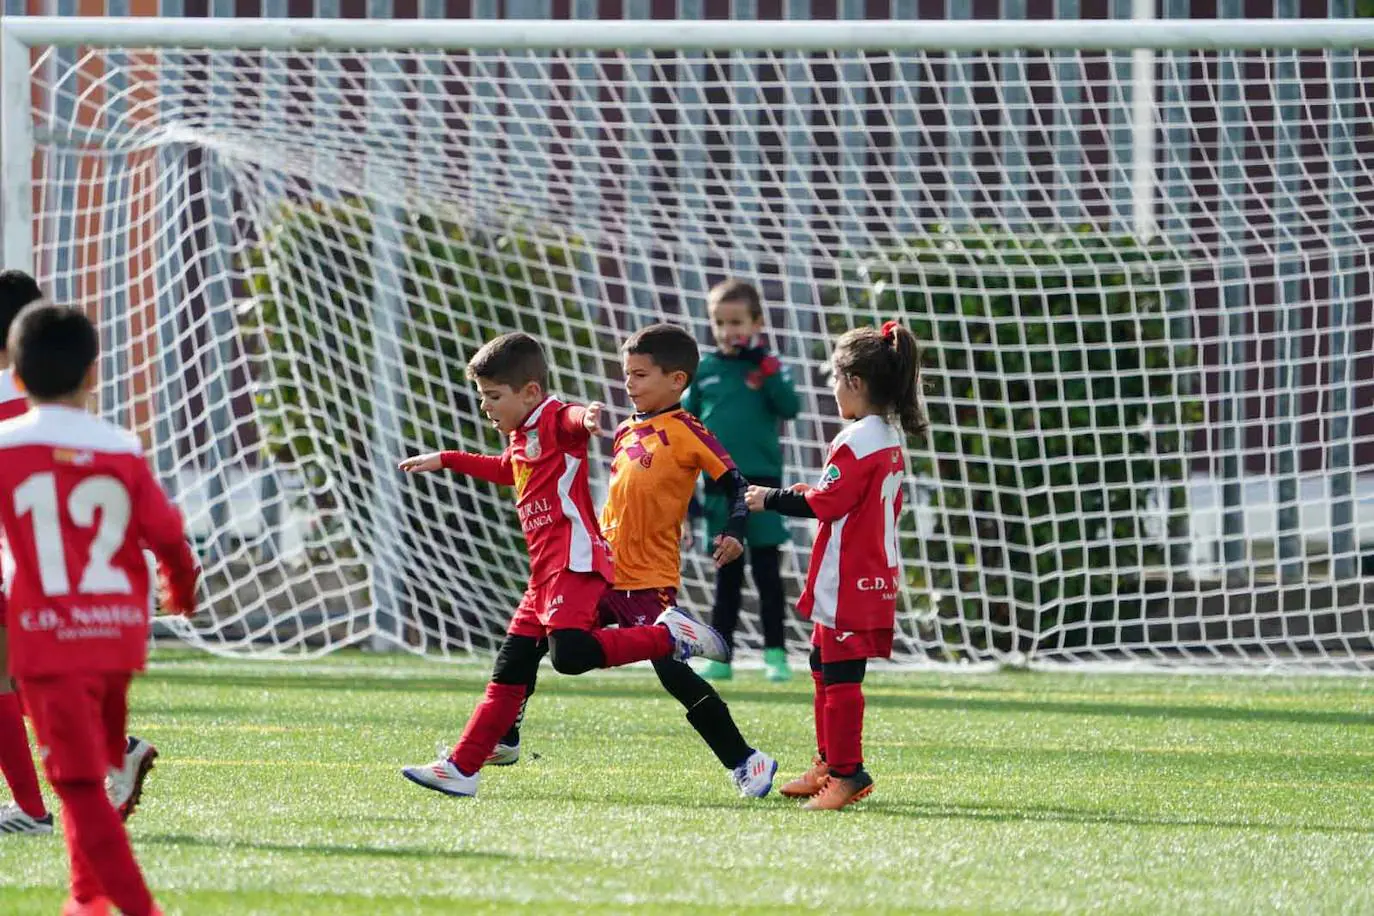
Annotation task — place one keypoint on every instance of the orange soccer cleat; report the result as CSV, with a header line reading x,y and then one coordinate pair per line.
x,y
809,783
840,791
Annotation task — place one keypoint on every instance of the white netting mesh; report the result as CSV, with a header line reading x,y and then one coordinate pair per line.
x,y
1153,450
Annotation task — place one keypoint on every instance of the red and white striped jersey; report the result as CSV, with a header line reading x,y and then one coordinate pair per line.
x,y
546,462
855,570
78,503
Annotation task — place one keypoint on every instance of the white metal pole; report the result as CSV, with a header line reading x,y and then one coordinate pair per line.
x,y
1143,183
16,154
643,34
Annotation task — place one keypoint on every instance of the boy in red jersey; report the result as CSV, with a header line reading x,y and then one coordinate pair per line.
x,y
657,457
80,503
855,570
570,563
124,783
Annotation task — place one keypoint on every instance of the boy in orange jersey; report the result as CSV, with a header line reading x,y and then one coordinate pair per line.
x,y
658,454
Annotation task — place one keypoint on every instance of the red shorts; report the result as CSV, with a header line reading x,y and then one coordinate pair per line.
x,y
849,645
636,608
567,601
79,721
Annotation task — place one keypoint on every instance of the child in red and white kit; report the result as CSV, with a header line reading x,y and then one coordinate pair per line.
x,y
855,571
82,505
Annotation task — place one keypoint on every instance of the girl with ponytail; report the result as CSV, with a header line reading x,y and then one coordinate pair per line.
x,y
855,572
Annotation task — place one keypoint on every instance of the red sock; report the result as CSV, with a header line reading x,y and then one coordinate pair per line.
x,y
633,644
818,710
492,718
844,727
16,761
96,841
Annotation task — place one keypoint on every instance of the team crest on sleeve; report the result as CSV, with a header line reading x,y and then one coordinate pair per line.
x,y
828,476
532,448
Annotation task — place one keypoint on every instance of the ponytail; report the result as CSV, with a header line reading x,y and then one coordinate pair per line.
x,y
888,360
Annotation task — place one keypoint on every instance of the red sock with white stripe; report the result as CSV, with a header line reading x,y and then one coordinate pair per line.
x,y
624,645
492,718
16,761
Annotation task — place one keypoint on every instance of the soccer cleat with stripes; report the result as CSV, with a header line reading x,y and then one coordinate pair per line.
x,y
504,755
809,783
692,638
754,777
841,791
442,776
124,786
13,820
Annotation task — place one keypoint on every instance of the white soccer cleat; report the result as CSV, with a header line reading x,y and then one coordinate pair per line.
x,y
754,777
504,755
124,786
13,820
693,638
442,776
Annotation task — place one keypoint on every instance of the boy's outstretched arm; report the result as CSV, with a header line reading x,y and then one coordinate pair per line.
x,y
492,468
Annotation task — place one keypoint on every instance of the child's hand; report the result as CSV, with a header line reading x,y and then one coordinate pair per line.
x,y
173,600
753,349
415,463
728,550
799,487
753,498
591,418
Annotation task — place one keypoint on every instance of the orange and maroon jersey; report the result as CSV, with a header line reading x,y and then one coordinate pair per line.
x,y
653,474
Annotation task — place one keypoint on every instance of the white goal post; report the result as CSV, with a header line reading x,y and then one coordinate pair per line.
x,y
1138,253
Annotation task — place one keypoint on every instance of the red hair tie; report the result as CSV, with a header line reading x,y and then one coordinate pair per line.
x,y
889,331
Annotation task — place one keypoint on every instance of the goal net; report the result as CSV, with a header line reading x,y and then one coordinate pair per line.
x,y
1142,279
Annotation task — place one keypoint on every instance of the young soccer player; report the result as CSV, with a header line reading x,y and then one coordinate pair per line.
x,y
743,394
570,563
658,454
80,504
855,571
28,814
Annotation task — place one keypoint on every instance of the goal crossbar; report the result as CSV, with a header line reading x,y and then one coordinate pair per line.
x,y
593,35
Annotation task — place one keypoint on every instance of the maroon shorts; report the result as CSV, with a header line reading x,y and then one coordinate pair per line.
x,y
849,645
568,601
79,722
636,608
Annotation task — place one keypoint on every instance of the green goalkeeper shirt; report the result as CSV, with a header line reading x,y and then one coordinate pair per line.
x,y
744,406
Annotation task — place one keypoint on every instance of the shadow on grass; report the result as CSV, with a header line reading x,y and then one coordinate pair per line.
x,y
327,849
796,695
1034,814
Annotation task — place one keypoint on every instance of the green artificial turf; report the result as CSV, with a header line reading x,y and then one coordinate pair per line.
x,y
278,792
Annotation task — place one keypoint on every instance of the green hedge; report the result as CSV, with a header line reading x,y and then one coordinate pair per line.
x,y
1039,510
313,283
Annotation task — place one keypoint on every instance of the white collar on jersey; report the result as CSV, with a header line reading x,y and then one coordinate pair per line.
x,y
533,418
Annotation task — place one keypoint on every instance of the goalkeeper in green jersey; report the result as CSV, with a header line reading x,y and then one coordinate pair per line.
x,y
743,395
